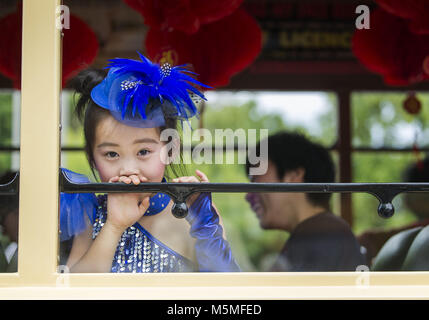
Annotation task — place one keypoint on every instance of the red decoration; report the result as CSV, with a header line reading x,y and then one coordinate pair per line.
x,y
390,49
80,47
412,105
183,15
416,11
217,51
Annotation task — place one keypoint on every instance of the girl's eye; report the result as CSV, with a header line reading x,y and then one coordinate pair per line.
x,y
143,152
111,154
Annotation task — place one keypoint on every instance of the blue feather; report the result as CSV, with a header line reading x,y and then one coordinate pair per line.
x,y
150,82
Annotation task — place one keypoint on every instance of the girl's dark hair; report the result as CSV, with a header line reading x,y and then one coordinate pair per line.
x,y
90,114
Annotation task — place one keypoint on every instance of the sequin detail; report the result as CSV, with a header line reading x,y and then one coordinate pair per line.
x,y
138,250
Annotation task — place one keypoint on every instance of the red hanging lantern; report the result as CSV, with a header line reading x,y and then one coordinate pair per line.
x,y
183,15
80,47
390,49
10,47
412,105
416,11
216,52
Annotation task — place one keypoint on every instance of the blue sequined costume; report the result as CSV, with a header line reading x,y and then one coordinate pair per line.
x,y
138,250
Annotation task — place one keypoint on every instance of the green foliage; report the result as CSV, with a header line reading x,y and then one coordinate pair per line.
x,y
246,116
378,117
328,123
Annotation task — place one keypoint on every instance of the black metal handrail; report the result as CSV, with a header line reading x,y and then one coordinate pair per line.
x,y
179,192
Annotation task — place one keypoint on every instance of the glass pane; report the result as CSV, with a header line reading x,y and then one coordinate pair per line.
x,y
10,83
120,33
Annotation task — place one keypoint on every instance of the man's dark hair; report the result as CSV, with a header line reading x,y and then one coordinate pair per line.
x,y
417,171
289,151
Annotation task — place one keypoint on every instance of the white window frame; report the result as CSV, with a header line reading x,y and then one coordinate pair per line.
x,y
37,275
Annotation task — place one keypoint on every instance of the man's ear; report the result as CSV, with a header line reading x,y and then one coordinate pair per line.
x,y
294,176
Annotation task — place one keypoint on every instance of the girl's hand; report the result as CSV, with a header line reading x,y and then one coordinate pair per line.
x,y
192,179
125,209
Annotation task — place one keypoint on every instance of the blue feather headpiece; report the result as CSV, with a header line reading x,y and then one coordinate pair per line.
x,y
142,94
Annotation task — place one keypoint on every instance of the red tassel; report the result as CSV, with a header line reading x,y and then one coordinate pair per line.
x,y
416,150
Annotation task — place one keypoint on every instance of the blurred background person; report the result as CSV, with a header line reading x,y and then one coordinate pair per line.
x,y
319,240
418,203
9,227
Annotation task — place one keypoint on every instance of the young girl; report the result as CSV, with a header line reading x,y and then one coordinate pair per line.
x,y
124,113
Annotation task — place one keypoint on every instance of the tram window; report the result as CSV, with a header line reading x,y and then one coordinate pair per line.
x,y
314,114
254,248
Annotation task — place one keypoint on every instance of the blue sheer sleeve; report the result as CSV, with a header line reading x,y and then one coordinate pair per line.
x,y
212,250
76,208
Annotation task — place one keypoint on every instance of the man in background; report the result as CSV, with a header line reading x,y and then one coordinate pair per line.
x,y
9,226
418,203
319,240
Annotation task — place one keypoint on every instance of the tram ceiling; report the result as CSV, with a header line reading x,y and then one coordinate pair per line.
x,y
306,44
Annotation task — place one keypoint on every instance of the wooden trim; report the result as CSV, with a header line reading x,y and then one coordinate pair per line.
x,y
39,161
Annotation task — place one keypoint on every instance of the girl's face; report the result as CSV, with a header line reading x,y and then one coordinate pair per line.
x,y
121,150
